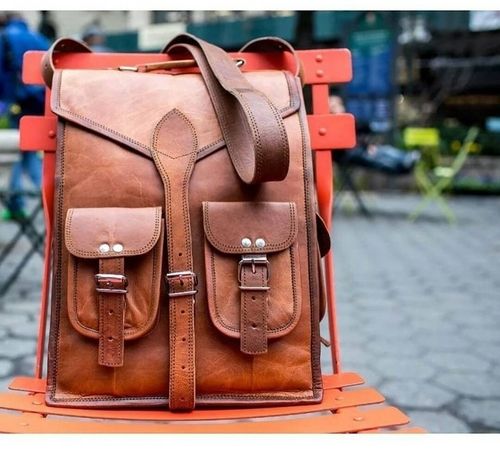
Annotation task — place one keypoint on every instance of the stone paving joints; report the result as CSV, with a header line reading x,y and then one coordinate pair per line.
x,y
418,309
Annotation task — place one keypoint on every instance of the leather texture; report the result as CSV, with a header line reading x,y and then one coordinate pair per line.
x,y
220,253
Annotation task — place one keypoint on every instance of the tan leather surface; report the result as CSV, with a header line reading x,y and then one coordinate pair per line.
x,y
275,222
136,230
175,145
111,317
227,223
132,125
95,170
254,310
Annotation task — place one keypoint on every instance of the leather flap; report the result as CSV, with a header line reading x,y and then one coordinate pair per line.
x,y
111,232
231,226
128,111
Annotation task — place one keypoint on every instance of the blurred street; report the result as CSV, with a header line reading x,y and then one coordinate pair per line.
x,y
418,306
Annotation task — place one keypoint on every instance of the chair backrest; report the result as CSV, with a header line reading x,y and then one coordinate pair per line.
x,y
320,68
464,151
421,137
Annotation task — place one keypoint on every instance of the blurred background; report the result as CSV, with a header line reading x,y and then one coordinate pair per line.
x,y
416,232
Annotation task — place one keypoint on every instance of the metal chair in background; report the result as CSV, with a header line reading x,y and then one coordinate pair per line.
x,y
27,224
435,181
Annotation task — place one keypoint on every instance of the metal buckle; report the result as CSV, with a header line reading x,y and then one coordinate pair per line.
x,y
180,275
111,283
254,260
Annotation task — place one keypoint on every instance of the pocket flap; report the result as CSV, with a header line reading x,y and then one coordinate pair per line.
x,y
229,225
99,232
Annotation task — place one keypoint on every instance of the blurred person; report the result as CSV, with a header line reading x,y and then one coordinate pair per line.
x,y
15,39
47,26
385,158
95,39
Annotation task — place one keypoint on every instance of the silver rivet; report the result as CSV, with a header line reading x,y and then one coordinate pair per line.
x,y
246,243
117,247
104,248
260,243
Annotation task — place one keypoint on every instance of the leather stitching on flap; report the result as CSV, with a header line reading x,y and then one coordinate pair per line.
x,y
277,331
238,248
58,109
131,332
70,244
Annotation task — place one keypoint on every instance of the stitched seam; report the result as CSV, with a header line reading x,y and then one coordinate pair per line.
x,y
172,301
107,303
221,321
281,128
314,337
256,135
58,108
130,331
58,233
202,396
243,330
274,246
292,93
148,246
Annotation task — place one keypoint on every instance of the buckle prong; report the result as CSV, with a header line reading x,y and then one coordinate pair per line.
x,y
254,260
111,283
180,276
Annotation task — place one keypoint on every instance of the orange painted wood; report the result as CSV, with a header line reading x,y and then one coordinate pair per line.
x,y
330,423
329,131
324,187
326,66
25,383
48,173
342,380
334,67
333,399
408,430
38,133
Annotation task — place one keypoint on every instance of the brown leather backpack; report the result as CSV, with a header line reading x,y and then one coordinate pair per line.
x,y
186,264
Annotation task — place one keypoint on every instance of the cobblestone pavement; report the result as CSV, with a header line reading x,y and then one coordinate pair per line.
x,y
418,307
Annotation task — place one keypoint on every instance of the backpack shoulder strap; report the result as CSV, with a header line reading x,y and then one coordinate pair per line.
x,y
252,127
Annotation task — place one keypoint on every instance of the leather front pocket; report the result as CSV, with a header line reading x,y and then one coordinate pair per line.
x,y
129,239
253,279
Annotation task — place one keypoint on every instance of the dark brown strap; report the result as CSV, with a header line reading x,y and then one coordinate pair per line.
x,y
268,44
252,127
63,45
174,147
111,311
254,309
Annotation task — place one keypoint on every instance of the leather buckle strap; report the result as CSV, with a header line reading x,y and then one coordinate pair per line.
x,y
111,283
253,261
180,277
253,274
111,286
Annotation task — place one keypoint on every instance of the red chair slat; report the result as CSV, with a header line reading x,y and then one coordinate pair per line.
x,y
38,133
332,131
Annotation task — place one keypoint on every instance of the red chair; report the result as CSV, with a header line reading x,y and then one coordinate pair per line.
x,y
343,407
